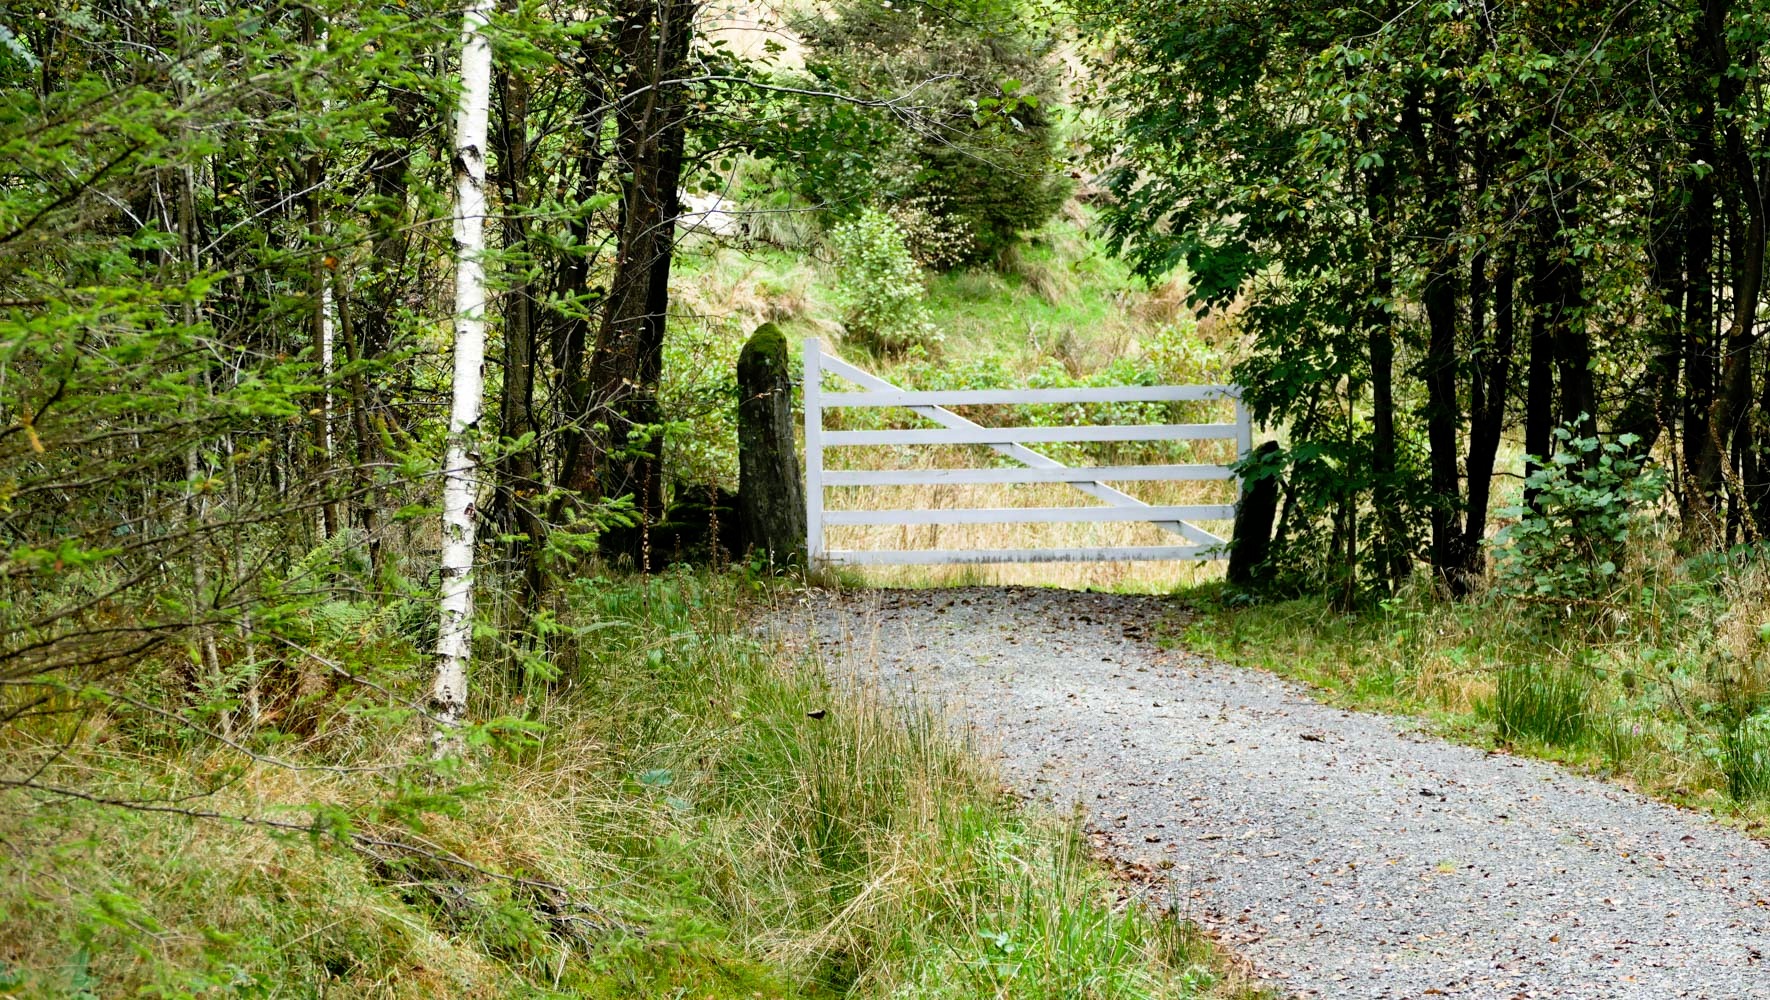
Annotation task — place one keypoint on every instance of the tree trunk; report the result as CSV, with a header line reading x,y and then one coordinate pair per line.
x,y
1440,295
1728,412
1699,321
1252,541
1649,409
519,473
390,228
1392,555
653,39
1487,412
1710,92
1539,402
1757,478
454,651
1573,347
1490,362
366,501
377,295
320,294
571,328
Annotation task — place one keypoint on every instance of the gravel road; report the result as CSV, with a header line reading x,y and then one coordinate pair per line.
x,y
1346,855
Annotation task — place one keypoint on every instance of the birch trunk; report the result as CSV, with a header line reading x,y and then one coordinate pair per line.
x,y
448,690
329,524
322,319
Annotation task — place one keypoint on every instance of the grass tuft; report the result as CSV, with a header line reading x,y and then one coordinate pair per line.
x,y
1532,701
1745,758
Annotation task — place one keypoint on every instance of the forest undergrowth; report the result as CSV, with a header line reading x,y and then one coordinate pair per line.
x,y
684,811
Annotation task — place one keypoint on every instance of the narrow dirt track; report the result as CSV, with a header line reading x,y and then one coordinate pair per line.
x,y
1346,855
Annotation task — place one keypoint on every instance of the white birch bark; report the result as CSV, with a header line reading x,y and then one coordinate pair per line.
x,y
326,334
448,690
326,340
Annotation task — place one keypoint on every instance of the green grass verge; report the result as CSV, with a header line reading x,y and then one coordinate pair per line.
x,y
690,814
1667,691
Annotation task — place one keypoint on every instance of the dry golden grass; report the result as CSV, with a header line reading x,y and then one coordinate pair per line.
x,y
1141,577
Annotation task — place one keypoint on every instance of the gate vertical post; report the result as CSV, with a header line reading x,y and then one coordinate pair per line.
x,y
1244,436
814,454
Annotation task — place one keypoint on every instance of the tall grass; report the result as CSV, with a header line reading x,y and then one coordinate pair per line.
x,y
691,813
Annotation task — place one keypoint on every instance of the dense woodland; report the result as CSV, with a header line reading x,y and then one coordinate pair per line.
x,y
1445,224
1489,273
227,265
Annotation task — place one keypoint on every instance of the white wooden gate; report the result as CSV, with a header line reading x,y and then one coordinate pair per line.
x,y
1010,441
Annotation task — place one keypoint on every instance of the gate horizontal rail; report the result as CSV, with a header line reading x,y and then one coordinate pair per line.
x,y
1010,441
1033,515
1016,397
1063,474
942,557
1033,435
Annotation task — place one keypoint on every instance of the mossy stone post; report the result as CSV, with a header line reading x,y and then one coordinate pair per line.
x,y
1252,541
771,496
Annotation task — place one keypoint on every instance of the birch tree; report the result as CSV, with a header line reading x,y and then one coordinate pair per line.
x,y
448,690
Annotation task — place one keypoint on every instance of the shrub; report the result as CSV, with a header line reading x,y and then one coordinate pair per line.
x,y
880,286
933,239
1572,541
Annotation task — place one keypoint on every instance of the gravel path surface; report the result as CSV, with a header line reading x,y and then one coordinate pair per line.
x,y
1346,855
